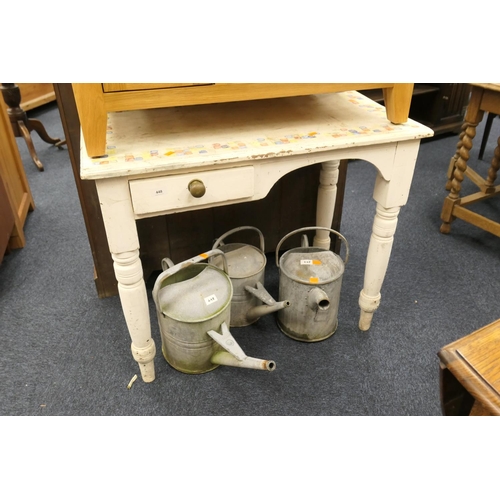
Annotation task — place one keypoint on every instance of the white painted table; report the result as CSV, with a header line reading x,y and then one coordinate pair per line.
x,y
239,151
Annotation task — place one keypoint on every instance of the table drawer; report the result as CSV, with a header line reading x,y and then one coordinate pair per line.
x,y
171,192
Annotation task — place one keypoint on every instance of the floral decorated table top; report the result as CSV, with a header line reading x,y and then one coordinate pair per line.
x,y
221,135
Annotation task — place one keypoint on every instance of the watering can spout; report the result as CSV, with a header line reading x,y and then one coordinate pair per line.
x,y
318,299
227,359
258,311
269,304
233,354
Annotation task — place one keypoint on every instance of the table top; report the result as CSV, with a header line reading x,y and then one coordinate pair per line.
x,y
474,360
221,135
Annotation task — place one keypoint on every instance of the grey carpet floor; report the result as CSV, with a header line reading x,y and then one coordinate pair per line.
x,y
64,351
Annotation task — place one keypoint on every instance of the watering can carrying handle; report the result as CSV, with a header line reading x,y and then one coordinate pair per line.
x,y
181,265
166,263
241,228
309,229
227,342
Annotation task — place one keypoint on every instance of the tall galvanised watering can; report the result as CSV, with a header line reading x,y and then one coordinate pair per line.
x,y
311,277
193,305
246,269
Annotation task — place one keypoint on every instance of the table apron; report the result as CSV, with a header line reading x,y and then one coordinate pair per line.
x,y
166,193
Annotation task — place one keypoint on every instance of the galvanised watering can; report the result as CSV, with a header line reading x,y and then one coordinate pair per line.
x,y
193,304
246,269
311,277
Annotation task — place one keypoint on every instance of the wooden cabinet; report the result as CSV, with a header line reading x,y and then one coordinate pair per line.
x,y
6,219
36,94
95,100
440,106
18,200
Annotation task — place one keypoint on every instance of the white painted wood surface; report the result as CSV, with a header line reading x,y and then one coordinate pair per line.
x,y
171,193
218,135
123,242
240,150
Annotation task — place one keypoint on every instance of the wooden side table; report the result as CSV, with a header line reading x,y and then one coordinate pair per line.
x,y
484,97
22,125
470,374
237,152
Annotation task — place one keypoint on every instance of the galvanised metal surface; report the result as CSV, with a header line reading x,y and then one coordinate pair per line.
x,y
311,278
246,269
193,305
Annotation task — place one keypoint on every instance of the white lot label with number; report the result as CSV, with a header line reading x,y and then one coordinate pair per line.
x,y
210,299
310,262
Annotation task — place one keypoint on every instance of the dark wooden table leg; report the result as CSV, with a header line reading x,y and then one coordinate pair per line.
x,y
22,125
486,133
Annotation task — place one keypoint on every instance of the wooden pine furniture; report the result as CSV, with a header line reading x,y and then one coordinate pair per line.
x,y
238,151
18,200
485,97
470,374
95,100
36,94
6,219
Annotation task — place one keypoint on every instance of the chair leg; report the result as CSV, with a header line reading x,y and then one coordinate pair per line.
x,y
487,128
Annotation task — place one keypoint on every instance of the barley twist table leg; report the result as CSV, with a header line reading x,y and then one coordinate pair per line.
x,y
454,158
492,171
458,176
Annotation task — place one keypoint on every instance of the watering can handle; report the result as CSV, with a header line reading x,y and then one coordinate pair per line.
x,y
309,229
187,263
241,228
166,263
227,342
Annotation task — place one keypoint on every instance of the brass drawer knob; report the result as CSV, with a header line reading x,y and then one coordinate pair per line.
x,y
197,188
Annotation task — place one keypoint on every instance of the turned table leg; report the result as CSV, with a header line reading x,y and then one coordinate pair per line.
x,y
395,165
121,232
134,300
325,206
377,260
